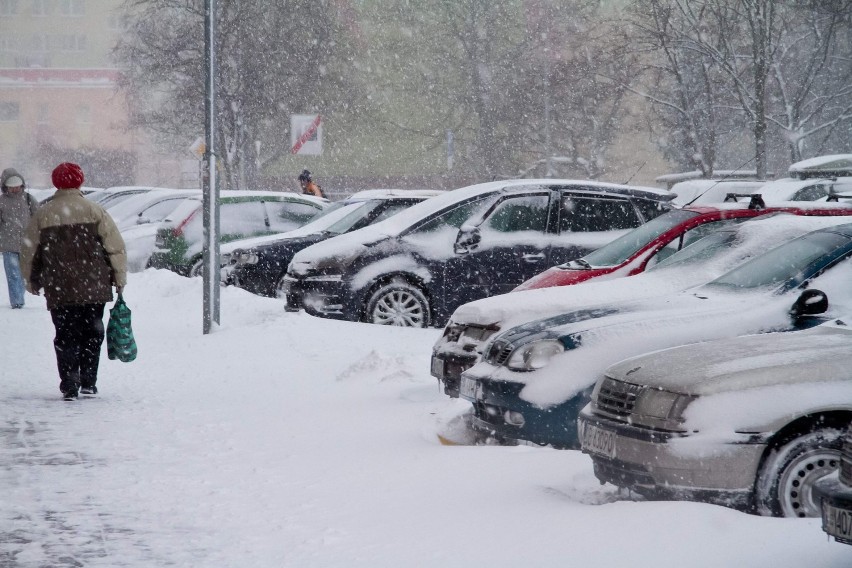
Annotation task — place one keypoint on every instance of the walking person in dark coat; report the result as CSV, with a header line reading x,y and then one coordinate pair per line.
x,y
16,208
73,250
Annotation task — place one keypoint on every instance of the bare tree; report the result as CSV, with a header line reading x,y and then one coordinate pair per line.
x,y
275,59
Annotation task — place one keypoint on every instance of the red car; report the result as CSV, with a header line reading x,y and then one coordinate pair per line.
x,y
662,236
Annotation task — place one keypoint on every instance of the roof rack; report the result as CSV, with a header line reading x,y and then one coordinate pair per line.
x,y
755,199
834,196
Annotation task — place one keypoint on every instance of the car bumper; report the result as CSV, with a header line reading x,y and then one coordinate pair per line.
x,y
836,501
647,462
448,368
500,413
165,261
252,280
324,298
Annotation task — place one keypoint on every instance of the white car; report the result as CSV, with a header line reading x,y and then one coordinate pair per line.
x,y
751,422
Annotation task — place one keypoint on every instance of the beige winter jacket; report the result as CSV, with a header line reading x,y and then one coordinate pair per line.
x,y
74,251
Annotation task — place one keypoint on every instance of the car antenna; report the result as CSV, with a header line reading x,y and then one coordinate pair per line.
x,y
636,172
720,180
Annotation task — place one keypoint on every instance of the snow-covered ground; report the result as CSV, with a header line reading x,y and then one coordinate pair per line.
x,y
286,440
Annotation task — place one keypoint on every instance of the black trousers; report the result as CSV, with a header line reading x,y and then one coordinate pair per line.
x,y
79,336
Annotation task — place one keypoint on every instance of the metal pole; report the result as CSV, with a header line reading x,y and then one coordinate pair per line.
x,y
210,182
548,172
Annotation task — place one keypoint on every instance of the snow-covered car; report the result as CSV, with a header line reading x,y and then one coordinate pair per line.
x,y
659,238
814,179
533,379
111,196
179,241
834,493
749,422
415,268
460,347
260,264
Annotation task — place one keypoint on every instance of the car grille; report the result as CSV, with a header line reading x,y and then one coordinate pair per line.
x,y
846,460
499,352
617,398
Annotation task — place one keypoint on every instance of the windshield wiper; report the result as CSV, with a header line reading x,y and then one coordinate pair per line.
x,y
583,263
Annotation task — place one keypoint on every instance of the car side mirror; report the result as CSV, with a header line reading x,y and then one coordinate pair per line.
x,y
809,303
142,220
468,239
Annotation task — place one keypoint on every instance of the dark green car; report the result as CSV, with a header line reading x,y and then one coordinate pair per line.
x,y
242,214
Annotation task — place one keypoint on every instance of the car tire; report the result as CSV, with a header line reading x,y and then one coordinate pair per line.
x,y
197,268
398,303
785,484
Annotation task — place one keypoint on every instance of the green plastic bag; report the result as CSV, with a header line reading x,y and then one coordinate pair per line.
x,y
119,334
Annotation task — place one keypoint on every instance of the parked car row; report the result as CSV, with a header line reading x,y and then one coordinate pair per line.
x,y
718,371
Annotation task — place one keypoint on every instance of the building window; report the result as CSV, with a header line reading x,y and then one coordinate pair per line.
x,y
67,42
8,7
9,43
42,114
84,115
9,111
73,7
41,7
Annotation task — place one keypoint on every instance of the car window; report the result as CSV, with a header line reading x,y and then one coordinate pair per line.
x,y
783,264
516,214
590,214
159,211
651,209
453,218
289,215
242,219
811,193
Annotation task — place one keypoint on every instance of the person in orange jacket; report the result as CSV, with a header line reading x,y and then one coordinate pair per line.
x,y
308,185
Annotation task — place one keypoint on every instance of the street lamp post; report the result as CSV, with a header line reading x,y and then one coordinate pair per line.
x,y
210,184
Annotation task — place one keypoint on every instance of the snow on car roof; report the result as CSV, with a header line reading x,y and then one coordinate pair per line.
x,y
387,193
833,163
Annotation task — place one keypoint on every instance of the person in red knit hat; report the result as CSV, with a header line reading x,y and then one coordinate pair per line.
x,y
73,250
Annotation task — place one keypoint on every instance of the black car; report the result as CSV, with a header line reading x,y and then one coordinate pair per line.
x,y
259,265
835,493
416,268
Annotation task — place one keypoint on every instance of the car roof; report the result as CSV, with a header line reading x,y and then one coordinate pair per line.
x,y
823,166
389,193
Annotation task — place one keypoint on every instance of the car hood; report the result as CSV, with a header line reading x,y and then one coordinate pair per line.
x,y
592,345
821,354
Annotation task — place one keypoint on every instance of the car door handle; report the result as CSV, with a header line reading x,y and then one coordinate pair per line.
x,y
535,257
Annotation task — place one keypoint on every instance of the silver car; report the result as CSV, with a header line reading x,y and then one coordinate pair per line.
x,y
749,422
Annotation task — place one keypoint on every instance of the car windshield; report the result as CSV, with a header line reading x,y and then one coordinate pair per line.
x,y
329,216
625,246
701,250
783,263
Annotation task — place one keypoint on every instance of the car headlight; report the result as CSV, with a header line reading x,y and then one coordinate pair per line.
x,y
246,257
534,355
661,404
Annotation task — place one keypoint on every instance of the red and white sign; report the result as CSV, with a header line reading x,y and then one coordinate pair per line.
x,y
306,134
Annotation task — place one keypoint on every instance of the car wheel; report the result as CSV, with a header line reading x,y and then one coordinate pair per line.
x,y
398,303
786,480
197,268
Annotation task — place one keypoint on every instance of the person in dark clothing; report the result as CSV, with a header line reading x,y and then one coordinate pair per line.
x,y
73,250
16,208
308,185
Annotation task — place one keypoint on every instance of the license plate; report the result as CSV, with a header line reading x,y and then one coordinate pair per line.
x,y
437,368
837,522
599,441
468,388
